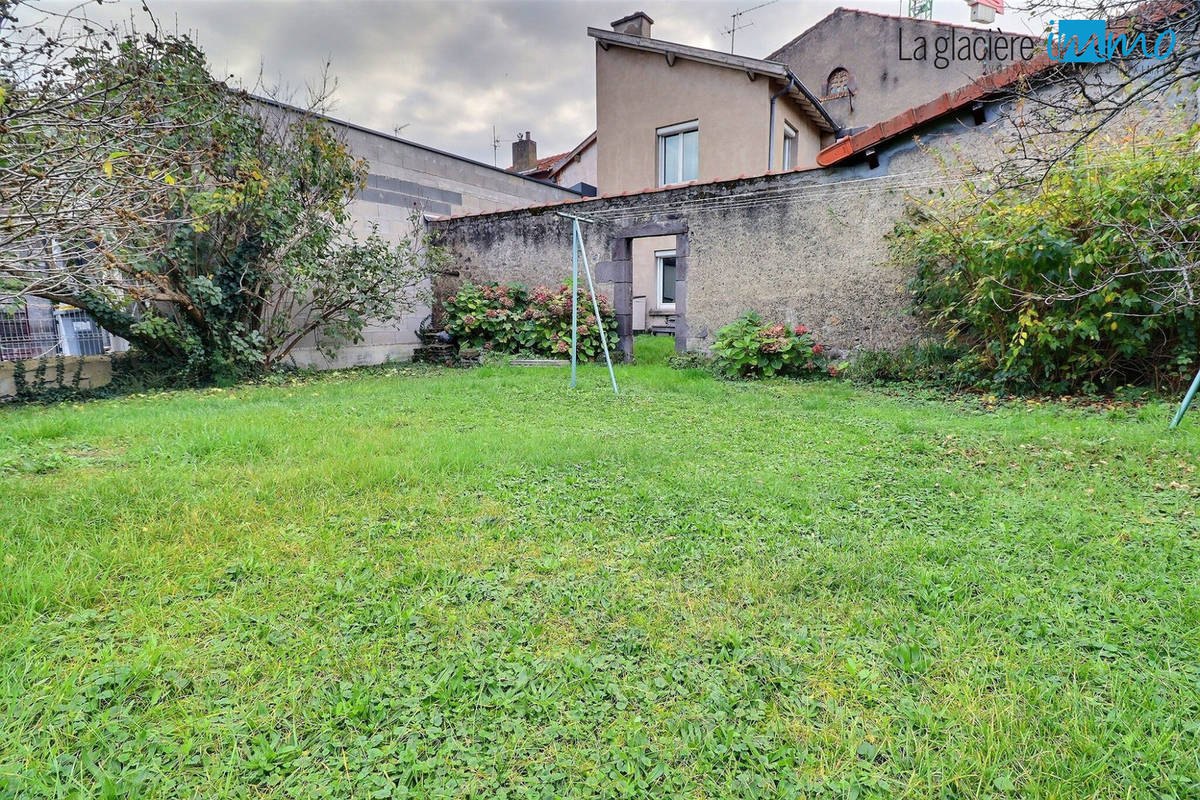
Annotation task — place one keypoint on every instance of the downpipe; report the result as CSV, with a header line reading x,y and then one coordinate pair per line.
x,y
791,81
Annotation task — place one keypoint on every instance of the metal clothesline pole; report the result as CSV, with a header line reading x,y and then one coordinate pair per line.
x,y
1187,401
575,237
578,249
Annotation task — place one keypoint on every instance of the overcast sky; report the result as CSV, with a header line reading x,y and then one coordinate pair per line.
x,y
448,70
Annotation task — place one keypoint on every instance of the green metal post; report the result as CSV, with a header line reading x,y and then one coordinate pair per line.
x,y
576,244
1187,401
587,270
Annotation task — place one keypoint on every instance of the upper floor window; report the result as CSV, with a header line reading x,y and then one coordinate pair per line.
x,y
789,146
678,153
839,83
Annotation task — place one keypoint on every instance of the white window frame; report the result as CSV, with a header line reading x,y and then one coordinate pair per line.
x,y
667,132
659,255
790,140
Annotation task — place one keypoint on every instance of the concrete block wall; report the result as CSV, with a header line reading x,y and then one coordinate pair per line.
x,y
93,372
404,178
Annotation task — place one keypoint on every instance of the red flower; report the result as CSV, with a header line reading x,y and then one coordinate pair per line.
x,y
833,371
799,330
817,349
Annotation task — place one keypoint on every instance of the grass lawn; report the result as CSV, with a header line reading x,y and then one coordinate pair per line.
x,y
478,583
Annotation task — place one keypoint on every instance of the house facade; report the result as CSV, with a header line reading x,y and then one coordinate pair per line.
x,y
668,114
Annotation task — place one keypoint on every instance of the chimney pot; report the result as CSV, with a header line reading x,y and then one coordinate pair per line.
x,y
524,153
636,24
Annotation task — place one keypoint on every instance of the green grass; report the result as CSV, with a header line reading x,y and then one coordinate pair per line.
x,y
481,584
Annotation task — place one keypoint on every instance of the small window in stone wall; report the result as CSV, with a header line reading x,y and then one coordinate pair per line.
x,y
839,84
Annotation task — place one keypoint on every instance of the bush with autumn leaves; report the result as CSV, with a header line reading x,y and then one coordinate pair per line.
x,y
507,318
751,348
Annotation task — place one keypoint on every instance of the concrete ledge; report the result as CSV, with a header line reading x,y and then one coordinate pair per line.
x,y
93,372
540,362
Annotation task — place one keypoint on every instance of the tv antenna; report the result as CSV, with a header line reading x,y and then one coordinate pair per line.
x,y
920,9
496,142
736,24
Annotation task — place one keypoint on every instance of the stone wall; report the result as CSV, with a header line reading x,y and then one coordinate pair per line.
x,y
800,247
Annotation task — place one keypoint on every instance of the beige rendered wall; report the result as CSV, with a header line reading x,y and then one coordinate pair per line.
x,y
645,275
808,138
582,169
637,93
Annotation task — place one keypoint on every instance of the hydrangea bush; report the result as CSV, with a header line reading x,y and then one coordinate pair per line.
x,y
751,348
507,318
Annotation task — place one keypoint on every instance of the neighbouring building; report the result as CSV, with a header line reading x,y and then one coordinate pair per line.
x,y
406,178
575,169
727,184
868,67
669,113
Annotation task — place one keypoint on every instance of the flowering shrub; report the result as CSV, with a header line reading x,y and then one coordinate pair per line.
x,y
509,319
750,348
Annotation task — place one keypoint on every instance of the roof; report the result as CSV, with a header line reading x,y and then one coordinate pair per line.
x,y
566,158
807,101
843,10
363,129
906,121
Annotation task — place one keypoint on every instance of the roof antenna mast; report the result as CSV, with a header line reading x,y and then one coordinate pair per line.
x,y
920,9
736,25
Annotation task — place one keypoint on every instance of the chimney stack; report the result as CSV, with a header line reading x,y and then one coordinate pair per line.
x,y
524,154
636,24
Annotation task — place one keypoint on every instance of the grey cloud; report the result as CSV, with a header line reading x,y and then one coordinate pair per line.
x,y
449,70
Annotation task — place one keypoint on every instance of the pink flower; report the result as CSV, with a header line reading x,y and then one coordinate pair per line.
x,y
591,319
833,371
562,346
469,320
778,329
582,330
492,313
487,345
817,349
799,330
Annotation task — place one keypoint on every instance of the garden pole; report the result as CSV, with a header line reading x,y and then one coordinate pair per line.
x,y
1187,401
587,270
575,245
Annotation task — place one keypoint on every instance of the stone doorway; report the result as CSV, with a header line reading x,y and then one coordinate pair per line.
x,y
620,271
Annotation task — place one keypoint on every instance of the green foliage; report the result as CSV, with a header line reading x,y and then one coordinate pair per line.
x,y
926,362
482,584
509,319
750,348
244,247
1081,284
